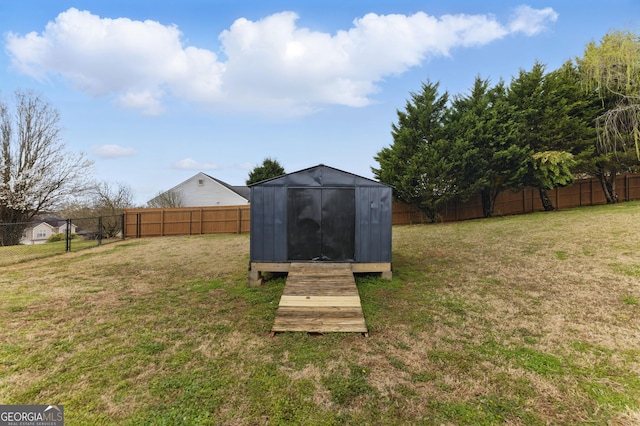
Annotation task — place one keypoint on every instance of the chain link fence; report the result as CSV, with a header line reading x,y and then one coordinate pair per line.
x,y
21,242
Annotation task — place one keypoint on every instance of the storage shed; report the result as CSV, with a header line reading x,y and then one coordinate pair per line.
x,y
320,214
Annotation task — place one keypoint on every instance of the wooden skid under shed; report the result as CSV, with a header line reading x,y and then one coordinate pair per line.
x,y
320,298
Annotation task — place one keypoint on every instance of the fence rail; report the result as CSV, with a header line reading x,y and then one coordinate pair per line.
x,y
583,192
186,221
235,219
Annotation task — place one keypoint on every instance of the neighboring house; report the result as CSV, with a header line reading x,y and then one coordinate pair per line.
x,y
40,230
204,190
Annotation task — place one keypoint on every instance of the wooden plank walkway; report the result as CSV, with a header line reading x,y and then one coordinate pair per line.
x,y
320,298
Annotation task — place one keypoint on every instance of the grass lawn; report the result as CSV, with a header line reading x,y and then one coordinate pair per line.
x,y
523,320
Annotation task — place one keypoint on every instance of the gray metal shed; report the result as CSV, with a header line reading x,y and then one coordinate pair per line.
x,y
320,214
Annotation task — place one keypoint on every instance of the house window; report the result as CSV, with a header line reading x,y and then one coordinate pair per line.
x,y
200,182
41,233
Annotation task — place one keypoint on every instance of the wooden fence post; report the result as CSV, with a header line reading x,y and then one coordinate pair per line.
x,y
626,188
580,194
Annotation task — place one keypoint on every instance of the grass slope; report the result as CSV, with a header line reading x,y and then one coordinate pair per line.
x,y
519,320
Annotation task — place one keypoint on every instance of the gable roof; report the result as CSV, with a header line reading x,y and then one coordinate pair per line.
x,y
35,224
55,222
242,191
52,222
320,175
237,191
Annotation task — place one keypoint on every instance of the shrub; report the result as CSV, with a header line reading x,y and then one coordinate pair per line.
x,y
60,237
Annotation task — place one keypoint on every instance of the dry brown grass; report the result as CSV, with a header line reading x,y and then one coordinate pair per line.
x,y
519,320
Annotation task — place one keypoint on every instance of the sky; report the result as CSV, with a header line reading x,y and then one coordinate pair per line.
x,y
154,92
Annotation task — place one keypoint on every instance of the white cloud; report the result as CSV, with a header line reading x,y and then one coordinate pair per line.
x,y
191,164
113,151
136,61
147,101
531,21
271,64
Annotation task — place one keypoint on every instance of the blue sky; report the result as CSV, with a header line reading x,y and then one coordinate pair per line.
x,y
155,91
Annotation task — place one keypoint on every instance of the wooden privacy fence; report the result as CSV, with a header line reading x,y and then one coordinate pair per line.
x,y
140,223
235,219
583,192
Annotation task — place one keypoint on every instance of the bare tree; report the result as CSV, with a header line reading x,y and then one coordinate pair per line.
x,y
165,199
102,205
37,173
109,201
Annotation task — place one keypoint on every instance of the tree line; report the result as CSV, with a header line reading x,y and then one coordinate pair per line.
x,y
540,130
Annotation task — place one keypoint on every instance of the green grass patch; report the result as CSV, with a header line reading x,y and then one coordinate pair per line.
x,y
630,270
345,388
538,362
486,411
150,347
206,286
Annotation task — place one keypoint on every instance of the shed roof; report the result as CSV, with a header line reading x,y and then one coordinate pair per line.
x,y
320,175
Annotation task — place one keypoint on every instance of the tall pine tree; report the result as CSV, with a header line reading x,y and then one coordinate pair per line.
x,y
486,123
421,164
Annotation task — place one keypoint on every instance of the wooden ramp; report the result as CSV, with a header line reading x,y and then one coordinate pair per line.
x,y
320,298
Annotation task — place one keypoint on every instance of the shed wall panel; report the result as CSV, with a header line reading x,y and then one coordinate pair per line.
x,y
374,224
385,228
280,224
269,202
371,206
257,215
363,224
268,224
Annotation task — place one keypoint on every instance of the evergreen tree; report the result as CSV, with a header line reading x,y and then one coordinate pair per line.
x,y
486,122
549,114
527,95
421,164
269,168
570,114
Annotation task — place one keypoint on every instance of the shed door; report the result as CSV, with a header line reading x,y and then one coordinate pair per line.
x,y
321,224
